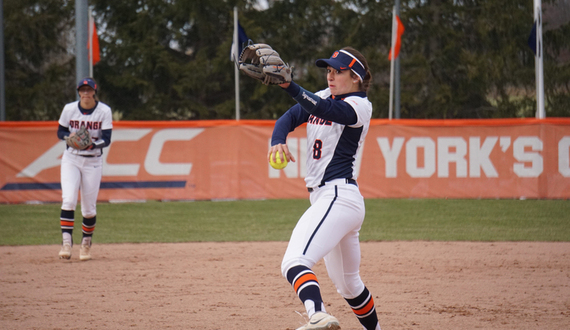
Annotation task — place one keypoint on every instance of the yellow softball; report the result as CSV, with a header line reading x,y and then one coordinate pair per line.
x,y
279,163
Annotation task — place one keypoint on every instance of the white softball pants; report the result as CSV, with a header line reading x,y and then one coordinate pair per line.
x,y
80,172
329,229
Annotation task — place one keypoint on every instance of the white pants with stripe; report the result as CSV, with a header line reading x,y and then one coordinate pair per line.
x,y
80,173
329,229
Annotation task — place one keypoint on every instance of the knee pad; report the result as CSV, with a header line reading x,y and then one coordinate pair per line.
x,y
348,285
290,263
89,216
68,204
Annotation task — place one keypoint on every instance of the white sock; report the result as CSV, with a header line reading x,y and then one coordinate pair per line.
x,y
377,327
310,307
66,238
86,241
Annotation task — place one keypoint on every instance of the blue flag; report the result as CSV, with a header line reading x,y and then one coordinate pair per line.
x,y
242,40
532,39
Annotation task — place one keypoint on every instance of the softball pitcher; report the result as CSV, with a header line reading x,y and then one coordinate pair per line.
x,y
86,126
337,122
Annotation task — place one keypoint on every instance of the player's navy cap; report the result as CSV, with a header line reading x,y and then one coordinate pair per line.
x,y
87,82
343,60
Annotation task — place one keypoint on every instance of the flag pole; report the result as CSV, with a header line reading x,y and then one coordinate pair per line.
x,y
236,55
393,50
2,66
538,62
81,23
90,44
397,66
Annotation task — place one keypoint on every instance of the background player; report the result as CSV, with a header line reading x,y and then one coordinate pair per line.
x,y
337,122
82,169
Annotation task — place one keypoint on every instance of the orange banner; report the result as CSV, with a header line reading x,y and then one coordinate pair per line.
x,y
213,160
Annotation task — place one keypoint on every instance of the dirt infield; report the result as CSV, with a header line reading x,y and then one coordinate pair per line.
x,y
207,286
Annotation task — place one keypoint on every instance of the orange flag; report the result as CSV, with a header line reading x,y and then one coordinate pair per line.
x,y
399,33
95,40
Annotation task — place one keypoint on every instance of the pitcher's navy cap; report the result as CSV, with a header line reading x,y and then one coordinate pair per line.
x,y
343,60
87,82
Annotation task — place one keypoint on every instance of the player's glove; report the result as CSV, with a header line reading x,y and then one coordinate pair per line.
x,y
263,63
80,140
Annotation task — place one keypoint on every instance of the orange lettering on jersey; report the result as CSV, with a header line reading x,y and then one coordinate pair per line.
x,y
91,125
319,121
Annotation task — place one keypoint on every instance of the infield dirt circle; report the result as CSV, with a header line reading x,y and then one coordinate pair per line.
x,y
207,286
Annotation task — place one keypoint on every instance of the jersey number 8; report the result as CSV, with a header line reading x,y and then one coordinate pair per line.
x,y
317,149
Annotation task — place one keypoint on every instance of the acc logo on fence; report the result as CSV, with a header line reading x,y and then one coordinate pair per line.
x,y
152,163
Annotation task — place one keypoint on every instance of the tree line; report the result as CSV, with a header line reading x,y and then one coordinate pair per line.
x,y
170,60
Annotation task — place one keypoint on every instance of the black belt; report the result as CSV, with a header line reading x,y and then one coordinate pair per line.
x,y
349,181
89,156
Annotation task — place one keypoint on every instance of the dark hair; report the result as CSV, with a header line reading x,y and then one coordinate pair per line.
x,y
95,96
367,80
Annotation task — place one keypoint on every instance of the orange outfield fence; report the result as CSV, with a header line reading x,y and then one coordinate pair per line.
x,y
225,159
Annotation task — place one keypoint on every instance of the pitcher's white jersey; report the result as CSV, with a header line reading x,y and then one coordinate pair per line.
x,y
100,119
332,147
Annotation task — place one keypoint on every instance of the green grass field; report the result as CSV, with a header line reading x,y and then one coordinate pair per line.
x,y
273,220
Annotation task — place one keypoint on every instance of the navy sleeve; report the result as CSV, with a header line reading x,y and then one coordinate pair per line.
x,y
62,132
337,111
291,119
104,141
329,109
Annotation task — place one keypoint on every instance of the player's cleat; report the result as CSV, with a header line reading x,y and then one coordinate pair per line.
x,y
85,252
65,252
321,321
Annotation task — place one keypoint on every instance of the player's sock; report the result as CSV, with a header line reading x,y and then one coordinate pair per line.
x,y
363,308
305,284
66,221
86,240
66,238
88,227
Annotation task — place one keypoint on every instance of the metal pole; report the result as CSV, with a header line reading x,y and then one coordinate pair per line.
x,y
392,62
397,72
90,38
2,66
81,22
236,55
538,60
